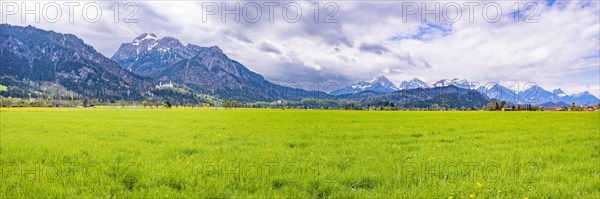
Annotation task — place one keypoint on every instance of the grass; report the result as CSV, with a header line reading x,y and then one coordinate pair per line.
x,y
111,152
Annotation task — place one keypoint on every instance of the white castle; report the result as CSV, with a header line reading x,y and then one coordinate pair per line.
x,y
161,85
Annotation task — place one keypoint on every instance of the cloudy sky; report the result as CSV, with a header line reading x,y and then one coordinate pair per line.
x,y
554,44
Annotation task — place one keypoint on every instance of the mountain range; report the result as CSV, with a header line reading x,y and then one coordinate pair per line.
x,y
384,85
200,69
39,63
532,95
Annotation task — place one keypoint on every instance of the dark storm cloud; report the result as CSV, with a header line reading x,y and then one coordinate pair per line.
x,y
330,33
237,35
267,47
408,61
377,49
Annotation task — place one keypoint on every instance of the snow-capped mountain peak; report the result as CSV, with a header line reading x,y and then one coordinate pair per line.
x,y
559,92
378,78
378,84
143,38
413,84
149,55
581,94
489,86
461,83
383,81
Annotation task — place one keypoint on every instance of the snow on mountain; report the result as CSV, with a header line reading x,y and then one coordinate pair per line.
x,y
559,92
413,84
384,85
585,98
148,55
378,84
533,94
496,91
144,37
461,83
536,95
201,69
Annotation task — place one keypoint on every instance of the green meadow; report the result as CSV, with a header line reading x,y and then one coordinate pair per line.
x,y
259,153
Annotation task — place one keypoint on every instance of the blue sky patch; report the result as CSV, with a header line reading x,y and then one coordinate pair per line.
x,y
426,32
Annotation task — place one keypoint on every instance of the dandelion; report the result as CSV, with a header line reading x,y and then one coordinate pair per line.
x,y
472,195
525,197
479,185
449,197
499,190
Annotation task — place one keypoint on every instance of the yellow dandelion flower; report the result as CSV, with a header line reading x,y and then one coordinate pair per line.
x,y
479,185
472,195
525,197
499,190
449,197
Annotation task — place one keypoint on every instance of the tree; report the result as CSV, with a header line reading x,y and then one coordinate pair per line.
x,y
41,102
233,104
8,102
86,102
167,104
225,104
492,106
573,107
144,104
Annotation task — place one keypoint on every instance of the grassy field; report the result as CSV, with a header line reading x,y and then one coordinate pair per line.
x,y
112,152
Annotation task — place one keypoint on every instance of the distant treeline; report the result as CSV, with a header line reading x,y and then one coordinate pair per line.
x,y
493,105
